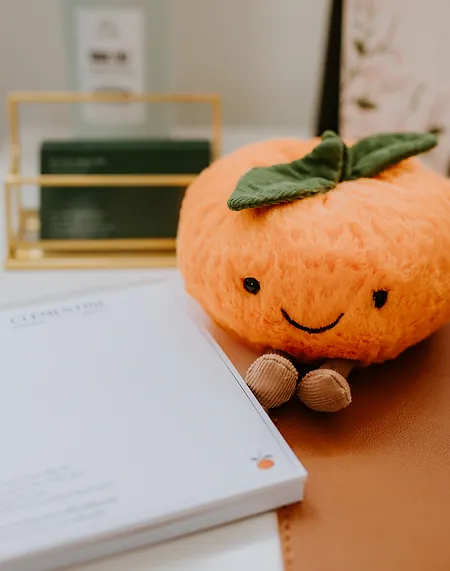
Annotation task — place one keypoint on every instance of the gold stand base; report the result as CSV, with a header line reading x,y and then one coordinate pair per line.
x,y
30,253
90,261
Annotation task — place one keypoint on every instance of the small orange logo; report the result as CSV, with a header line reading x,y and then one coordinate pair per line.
x,y
264,462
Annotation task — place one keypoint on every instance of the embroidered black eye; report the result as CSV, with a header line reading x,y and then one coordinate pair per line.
x,y
380,298
252,285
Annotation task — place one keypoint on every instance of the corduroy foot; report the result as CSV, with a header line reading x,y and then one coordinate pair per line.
x,y
273,379
324,390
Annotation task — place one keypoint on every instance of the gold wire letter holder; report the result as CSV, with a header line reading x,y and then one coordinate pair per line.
x,y
25,249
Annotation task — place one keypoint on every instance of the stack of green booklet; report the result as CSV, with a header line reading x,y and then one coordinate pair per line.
x,y
116,212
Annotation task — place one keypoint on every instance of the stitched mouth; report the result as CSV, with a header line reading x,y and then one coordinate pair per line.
x,y
311,330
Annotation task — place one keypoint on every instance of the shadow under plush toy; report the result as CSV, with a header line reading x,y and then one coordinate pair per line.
x,y
314,251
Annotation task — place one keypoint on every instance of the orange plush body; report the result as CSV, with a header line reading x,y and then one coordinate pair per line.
x,y
321,261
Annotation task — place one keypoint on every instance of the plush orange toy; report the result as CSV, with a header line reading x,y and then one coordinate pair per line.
x,y
321,252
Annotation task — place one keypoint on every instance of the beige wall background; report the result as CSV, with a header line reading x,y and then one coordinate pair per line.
x,y
264,56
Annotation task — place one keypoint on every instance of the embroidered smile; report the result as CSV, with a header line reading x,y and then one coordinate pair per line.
x,y
311,330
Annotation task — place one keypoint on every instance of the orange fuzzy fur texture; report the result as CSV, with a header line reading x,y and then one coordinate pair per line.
x,y
321,256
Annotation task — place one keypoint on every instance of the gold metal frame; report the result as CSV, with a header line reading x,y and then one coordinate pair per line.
x,y
25,252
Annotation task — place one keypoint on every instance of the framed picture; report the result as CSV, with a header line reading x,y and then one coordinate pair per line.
x,y
394,72
121,47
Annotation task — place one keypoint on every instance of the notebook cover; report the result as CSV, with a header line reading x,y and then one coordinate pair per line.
x,y
116,212
378,494
112,435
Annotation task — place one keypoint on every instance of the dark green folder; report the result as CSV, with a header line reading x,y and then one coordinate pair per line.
x,y
116,212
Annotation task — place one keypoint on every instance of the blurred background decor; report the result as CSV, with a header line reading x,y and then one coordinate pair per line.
x,y
395,74
56,210
264,58
118,46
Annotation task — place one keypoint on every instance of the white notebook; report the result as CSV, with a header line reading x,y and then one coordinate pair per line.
x,y
122,424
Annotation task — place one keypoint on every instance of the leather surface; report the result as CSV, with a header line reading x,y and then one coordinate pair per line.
x,y
378,490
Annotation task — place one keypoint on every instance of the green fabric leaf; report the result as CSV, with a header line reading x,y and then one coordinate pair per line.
x,y
375,153
315,173
328,164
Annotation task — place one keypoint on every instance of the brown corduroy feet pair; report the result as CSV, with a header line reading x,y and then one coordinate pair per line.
x,y
273,379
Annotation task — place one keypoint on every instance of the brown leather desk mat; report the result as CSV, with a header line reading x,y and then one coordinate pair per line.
x,y
378,492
